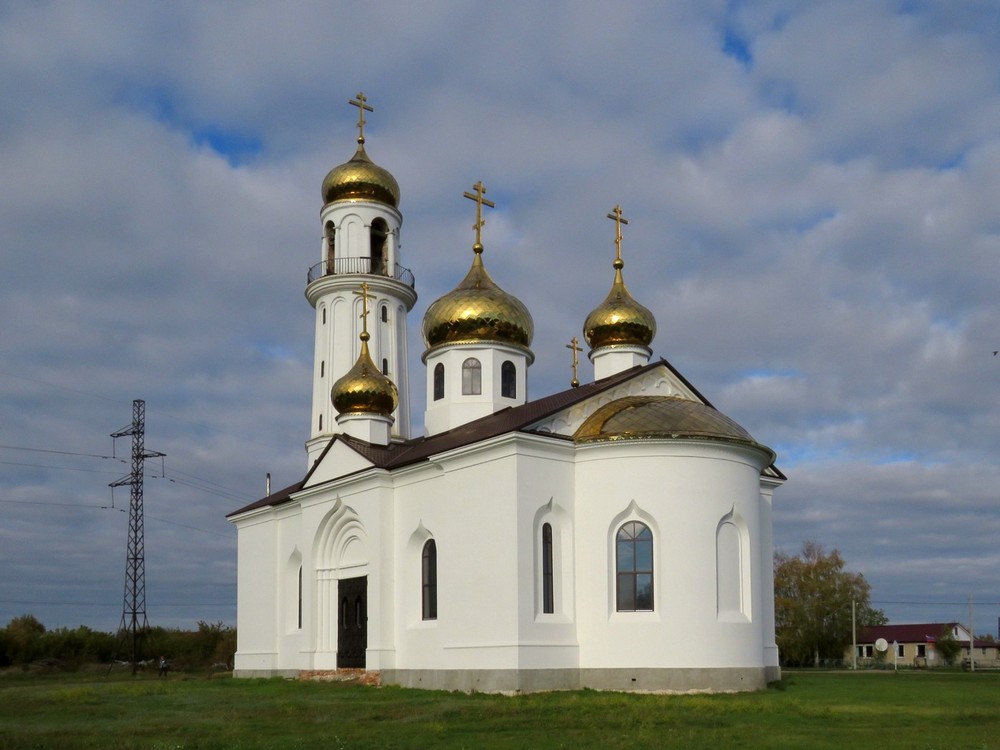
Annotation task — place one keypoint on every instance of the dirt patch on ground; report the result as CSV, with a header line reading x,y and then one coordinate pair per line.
x,y
356,676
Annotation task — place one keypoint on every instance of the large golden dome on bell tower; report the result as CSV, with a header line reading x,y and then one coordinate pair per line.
x,y
360,178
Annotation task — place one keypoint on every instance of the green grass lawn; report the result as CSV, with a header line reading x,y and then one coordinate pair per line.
x,y
806,710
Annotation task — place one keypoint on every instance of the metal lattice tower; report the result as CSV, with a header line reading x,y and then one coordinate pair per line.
x,y
134,623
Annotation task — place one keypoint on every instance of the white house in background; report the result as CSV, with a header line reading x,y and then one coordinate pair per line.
x,y
916,645
615,535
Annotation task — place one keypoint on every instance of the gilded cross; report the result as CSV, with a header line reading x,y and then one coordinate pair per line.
x,y
616,214
480,202
364,309
361,103
574,344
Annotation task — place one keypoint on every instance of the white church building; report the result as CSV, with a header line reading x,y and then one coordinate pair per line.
x,y
614,535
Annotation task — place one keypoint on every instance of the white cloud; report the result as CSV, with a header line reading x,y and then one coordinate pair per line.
x,y
815,227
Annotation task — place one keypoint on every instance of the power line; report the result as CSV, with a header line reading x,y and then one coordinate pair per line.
x,y
62,453
61,505
60,468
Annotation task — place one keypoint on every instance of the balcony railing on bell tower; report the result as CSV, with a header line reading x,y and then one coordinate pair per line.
x,y
364,266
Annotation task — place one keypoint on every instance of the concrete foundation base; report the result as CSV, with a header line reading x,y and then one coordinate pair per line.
x,y
684,680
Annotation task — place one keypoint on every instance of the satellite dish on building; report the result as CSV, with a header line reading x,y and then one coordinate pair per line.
x,y
882,645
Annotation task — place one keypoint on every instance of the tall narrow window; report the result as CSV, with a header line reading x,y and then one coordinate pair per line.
x,y
438,381
330,250
322,368
508,380
379,233
385,366
429,580
472,377
548,599
320,422
634,567
385,314
300,597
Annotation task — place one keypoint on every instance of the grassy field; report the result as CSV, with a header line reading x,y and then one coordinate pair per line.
x,y
806,710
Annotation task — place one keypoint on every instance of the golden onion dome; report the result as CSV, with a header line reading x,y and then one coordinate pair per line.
x,y
619,320
662,417
360,179
363,389
478,310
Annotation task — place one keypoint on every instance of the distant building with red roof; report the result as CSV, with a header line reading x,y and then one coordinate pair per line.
x,y
916,645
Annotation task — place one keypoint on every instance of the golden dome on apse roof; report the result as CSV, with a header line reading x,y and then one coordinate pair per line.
x,y
619,320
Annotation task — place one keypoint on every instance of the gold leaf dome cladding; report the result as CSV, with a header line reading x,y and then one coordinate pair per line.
x,y
639,417
478,310
619,320
360,179
364,389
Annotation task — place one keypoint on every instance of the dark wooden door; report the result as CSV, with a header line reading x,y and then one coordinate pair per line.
x,y
352,622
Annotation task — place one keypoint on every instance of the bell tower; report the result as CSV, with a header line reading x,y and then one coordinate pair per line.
x,y
360,243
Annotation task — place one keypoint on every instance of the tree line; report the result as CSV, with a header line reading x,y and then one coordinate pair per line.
x,y
26,641
813,594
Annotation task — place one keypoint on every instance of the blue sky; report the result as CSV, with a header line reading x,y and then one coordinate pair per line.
x,y
812,191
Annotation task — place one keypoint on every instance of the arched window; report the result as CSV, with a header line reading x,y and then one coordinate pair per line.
x,y
379,233
330,234
300,599
548,600
385,314
320,422
634,567
428,577
472,377
508,380
438,381
385,366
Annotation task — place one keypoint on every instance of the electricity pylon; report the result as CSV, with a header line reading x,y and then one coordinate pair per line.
x,y
134,624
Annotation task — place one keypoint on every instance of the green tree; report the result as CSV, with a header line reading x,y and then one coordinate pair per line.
x,y
812,605
23,639
948,646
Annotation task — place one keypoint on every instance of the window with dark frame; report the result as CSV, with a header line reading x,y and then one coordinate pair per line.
x,y
548,599
429,608
634,567
922,650
508,380
438,381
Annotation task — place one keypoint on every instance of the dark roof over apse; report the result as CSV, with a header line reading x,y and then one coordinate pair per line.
x,y
513,419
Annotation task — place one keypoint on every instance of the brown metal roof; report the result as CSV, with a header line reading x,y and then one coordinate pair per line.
x,y
916,633
513,419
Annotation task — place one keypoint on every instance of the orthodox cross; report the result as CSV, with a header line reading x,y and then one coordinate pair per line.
x,y
574,344
480,202
360,103
616,214
364,310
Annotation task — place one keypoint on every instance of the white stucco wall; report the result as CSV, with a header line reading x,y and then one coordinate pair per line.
x,y
484,506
